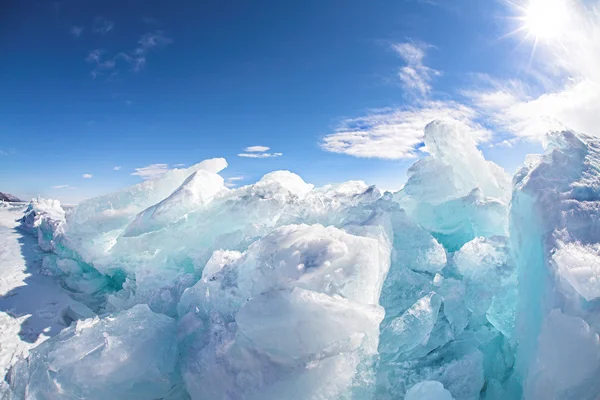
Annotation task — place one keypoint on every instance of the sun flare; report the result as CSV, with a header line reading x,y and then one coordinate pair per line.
x,y
545,19
552,24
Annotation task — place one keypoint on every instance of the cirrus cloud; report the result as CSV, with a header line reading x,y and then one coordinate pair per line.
x,y
76,31
396,133
231,181
415,75
260,155
102,26
256,149
105,63
258,152
151,171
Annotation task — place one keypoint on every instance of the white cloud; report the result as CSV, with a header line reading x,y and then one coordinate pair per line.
x,y
505,143
87,176
415,76
231,181
102,26
260,155
151,171
118,167
63,187
256,149
397,132
258,152
575,106
155,170
76,31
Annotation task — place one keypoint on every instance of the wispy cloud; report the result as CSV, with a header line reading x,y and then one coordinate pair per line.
x,y
505,143
151,40
101,65
117,168
102,26
396,133
231,181
76,31
178,165
95,55
87,176
256,149
148,42
135,59
260,155
415,75
151,171
63,187
258,152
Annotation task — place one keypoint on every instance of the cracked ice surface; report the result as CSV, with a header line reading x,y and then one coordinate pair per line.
x,y
461,286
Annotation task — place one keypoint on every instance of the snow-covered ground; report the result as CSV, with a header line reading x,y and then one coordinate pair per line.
x,y
31,304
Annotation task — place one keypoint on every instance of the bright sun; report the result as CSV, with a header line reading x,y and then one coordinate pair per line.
x,y
545,19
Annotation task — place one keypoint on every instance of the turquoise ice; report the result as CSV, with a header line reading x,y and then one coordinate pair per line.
x,y
461,286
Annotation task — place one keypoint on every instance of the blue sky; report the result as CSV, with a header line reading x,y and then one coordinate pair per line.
x,y
93,91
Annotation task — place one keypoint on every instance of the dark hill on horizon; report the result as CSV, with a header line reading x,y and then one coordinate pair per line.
x,y
10,198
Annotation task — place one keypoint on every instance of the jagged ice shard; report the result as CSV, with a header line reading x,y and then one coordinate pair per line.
x,y
460,286
555,234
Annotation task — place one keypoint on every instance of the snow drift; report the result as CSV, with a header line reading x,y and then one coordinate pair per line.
x,y
445,290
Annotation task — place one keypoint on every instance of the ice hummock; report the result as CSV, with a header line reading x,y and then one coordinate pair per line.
x,y
131,355
43,218
257,310
555,234
448,289
455,193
